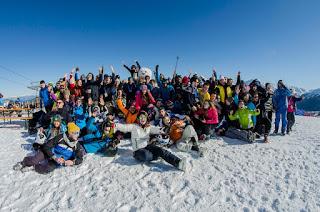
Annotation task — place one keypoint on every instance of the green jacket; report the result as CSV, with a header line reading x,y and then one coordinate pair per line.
x,y
244,117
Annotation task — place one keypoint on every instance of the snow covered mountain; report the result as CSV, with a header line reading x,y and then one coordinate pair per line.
x,y
299,90
22,98
311,101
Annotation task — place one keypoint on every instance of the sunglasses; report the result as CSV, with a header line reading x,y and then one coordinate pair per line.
x,y
59,103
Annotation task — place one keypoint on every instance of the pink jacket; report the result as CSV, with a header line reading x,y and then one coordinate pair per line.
x,y
211,116
140,102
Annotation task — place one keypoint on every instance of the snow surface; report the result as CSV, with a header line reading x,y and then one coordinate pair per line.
x,y
233,176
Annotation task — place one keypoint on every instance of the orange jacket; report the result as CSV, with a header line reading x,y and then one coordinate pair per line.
x,y
176,130
130,118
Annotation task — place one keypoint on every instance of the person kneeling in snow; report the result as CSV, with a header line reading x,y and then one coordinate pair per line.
x,y
140,137
244,116
62,150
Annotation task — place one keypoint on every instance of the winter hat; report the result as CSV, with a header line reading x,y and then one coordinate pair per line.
x,y
72,128
221,77
95,108
57,118
185,80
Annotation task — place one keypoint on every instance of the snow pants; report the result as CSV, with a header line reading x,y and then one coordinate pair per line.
x,y
188,140
281,114
153,152
263,126
41,164
244,135
291,121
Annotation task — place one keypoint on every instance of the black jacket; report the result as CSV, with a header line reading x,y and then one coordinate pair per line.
x,y
62,139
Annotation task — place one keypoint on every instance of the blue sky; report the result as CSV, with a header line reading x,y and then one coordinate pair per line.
x,y
265,39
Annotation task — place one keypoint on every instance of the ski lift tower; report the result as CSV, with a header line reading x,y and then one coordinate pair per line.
x,y
35,87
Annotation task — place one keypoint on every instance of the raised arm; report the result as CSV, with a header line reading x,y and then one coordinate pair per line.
x,y
238,78
138,65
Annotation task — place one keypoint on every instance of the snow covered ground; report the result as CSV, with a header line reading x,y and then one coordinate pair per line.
x,y
233,176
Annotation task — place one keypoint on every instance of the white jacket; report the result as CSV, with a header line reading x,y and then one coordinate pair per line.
x,y
139,136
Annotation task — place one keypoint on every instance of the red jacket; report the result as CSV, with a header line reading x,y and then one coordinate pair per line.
x,y
140,101
210,116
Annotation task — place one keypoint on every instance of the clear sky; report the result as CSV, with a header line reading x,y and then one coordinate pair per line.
x,y
265,39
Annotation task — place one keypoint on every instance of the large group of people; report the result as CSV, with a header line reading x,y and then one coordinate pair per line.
x,y
91,114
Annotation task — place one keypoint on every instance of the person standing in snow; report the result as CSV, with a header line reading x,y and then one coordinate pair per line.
x,y
292,100
280,104
44,95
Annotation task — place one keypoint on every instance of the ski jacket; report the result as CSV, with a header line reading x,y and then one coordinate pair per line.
x,y
44,97
130,117
139,136
244,116
61,146
79,116
280,100
292,100
203,96
142,102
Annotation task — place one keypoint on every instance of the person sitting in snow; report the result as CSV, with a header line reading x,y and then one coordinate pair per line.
x,y
92,127
130,114
140,137
62,150
56,127
183,135
244,116
79,114
107,145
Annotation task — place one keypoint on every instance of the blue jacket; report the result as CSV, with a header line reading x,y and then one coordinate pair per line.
x,y
280,100
44,97
79,116
1,101
166,93
251,106
93,131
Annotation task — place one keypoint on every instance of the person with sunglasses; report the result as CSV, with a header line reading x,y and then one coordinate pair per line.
x,y
59,110
62,150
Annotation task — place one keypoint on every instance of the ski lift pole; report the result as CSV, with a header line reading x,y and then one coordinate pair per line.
x,y
175,68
